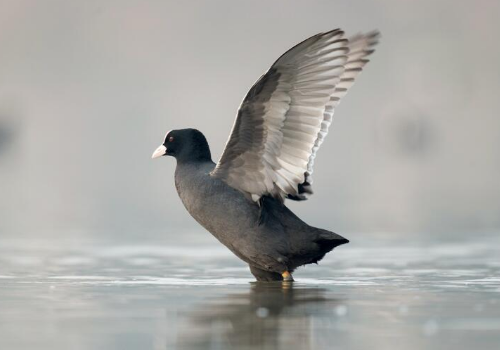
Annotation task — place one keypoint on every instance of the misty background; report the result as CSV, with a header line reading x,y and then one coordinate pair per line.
x,y
88,90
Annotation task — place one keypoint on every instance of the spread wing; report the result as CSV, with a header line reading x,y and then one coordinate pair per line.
x,y
285,116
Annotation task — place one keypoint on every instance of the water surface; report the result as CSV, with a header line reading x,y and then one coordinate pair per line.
x,y
386,294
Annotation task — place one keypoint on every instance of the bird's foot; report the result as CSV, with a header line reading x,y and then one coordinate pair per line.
x,y
287,276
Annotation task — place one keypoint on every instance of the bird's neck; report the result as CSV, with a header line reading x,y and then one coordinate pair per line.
x,y
185,171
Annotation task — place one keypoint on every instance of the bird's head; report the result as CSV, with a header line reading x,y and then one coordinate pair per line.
x,y
185,145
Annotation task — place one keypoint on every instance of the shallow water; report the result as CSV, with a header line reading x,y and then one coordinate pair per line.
x,y
389,294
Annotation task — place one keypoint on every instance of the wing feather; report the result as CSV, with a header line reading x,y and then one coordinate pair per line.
x,y
285,116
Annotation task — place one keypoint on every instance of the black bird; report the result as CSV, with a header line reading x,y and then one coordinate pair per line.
x,y
269,157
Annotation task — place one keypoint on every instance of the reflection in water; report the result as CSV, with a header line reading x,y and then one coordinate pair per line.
x,y
267,316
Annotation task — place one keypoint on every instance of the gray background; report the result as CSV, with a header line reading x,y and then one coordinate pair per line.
x,y
89,88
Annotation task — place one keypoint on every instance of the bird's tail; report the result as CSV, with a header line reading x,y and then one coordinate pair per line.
x,y
327,241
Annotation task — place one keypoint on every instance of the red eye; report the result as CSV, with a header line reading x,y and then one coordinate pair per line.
x,y
171,139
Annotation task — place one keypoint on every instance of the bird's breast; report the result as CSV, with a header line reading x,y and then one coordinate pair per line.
x,y
222,210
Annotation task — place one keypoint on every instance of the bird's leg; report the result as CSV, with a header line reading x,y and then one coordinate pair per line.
x,y
265,275
287,276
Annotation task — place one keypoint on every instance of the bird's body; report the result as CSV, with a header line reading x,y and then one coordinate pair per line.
x,y
269,157
280,242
